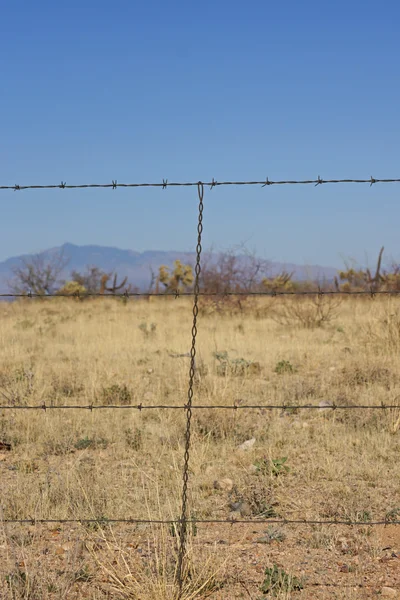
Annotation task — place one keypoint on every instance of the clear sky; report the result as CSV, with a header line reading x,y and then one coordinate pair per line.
x,y
92,91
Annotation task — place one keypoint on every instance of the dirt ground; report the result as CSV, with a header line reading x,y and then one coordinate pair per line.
x,y
63,556
292,463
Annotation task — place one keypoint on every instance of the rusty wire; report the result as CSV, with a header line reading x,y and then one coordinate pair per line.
x,y
213,183
91,407
221,294
183,521
229,521
316,584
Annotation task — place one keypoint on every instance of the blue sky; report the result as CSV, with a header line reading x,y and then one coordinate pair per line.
x,y
141,91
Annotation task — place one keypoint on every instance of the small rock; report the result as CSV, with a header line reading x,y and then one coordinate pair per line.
x,y
343,543
388,592
149,371
247,444
3,457
225,484
245,510
240,507
60,551
332,369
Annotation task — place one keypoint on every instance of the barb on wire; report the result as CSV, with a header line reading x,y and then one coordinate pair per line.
x,y
238,405
178,294
311,584
230,521
213,183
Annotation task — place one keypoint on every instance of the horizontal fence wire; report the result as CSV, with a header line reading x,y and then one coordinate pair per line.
x,y
213,183
90,407
230,521
318,584
391,516
178,294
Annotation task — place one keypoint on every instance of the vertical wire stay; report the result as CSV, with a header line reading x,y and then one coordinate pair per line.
x,y
184,516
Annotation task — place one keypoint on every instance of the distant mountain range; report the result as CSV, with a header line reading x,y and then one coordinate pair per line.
x,y
137,265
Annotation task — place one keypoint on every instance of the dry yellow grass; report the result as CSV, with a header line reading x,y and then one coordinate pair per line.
x,y
343,464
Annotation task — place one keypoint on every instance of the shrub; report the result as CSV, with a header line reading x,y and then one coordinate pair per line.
x,y
308,312
277,581
235,366
116,394
284,366
72,288
148,330
274,466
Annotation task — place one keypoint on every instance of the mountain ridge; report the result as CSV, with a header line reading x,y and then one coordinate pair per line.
x,y
137,266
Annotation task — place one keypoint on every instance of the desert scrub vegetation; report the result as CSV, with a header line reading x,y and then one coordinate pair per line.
x,y
308,312
288,463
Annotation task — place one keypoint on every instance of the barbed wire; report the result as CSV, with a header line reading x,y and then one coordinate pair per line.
x,y
354,584
184,521
90,407
177,294
229,521
211,184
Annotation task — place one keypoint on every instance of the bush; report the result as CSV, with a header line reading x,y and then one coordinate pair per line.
x,y
116,394
72,288
235,366
284,366
277,581
308,312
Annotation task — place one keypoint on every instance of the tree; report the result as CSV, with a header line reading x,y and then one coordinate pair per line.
x,y
39,274
231,272
90,279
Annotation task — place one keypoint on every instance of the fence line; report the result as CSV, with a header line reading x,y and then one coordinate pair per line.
x,y
183,521
231,521
320,584
178,294
213,183
235,407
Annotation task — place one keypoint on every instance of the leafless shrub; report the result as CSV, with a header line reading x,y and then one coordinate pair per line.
x,y
309,312
39,274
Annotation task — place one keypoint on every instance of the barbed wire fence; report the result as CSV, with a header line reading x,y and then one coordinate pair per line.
x,y
211,184
183,521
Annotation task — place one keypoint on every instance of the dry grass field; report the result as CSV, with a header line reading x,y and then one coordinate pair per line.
x,y
319,464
